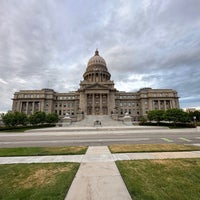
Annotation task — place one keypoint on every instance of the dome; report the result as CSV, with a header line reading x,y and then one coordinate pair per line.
x,y
96,69
96,63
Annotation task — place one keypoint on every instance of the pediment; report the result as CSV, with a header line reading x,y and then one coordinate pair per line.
x,y
97,86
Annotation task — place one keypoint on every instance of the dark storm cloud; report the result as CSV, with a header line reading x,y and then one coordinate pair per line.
x,y
145,44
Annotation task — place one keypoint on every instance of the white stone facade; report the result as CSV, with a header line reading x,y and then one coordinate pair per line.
x,y
96,96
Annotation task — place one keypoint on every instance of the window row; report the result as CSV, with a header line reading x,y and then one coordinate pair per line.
x,y
65,97
129,104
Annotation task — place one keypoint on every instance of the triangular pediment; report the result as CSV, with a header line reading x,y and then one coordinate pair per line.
x,y
97,86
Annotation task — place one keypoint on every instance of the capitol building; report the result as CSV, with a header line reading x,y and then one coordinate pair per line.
x,y
96,95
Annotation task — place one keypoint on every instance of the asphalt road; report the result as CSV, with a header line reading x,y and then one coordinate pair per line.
x,y
94,138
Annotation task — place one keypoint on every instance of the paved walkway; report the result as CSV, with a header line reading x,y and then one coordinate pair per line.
x,y
98,177
97,157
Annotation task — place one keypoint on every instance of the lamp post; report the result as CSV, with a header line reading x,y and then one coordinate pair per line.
x,y
194,118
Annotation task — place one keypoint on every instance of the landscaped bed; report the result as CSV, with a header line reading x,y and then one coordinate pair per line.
x,y
162,179
152,148
36,181
41,151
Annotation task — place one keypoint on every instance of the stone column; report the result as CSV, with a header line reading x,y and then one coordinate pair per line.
x,y
101,111
173,103
170,104
42,106
164,104
20,106
93,104
158,104
27,107
33,107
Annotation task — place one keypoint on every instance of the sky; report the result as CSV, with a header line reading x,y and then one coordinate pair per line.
x,y
145,43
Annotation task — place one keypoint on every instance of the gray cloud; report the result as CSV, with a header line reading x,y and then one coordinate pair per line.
x,y
145,43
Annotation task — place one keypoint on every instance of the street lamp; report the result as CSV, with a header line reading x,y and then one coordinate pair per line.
x,y
194,118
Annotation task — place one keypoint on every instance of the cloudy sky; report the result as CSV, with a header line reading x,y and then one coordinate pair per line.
x,y
146,43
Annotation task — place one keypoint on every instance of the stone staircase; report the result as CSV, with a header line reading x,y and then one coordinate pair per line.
x,y
89,120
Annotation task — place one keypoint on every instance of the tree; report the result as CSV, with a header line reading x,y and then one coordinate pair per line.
x,y
8,119
156,115
14,119
52,118
176,115
21,118
195,114
37,118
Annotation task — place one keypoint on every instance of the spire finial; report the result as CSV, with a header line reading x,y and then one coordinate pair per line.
x,y
96,52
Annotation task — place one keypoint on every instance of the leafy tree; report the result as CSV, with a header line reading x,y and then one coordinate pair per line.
x,y
196,114
157,115
21,118
176,115
52,118
37,118
8,119
14,119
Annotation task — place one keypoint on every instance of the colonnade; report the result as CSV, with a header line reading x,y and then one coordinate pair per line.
x,y
97,77
29,107
163,104
97,104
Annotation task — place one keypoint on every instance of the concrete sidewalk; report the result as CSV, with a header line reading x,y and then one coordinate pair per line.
x,y
98,180
98,157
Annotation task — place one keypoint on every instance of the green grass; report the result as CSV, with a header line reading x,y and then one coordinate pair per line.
x,y
162,179
152,148
41,151
36,181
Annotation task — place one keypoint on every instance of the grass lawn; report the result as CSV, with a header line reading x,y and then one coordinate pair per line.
x,y
175,179
152,148
36,181
39,151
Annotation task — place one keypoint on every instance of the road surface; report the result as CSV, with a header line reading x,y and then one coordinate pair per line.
x,y
95,138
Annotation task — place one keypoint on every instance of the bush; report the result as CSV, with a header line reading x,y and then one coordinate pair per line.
x,y
170,125
26,127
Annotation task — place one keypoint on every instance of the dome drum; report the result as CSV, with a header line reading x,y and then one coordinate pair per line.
x,y
96,76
